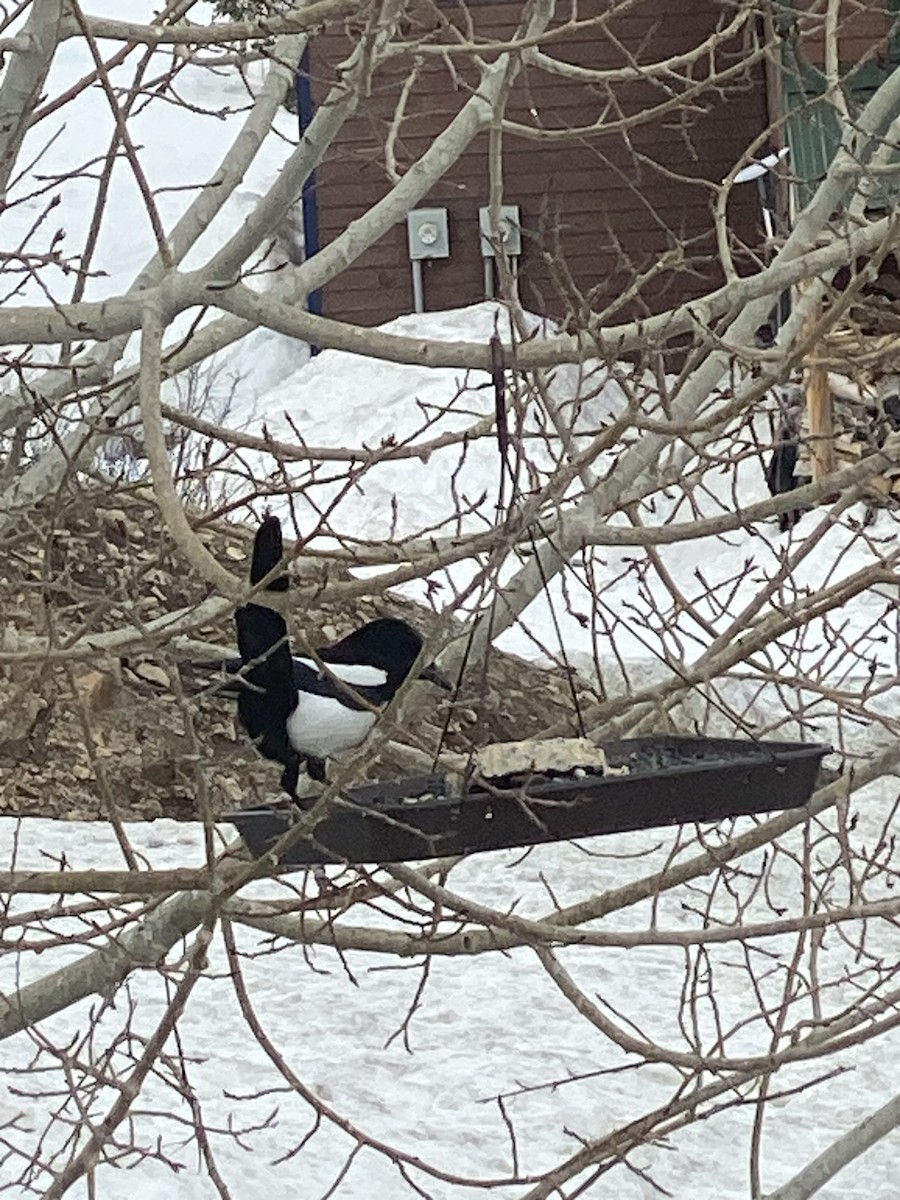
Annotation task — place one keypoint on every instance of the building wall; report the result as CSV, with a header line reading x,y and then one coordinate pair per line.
x,y
601,205
863,30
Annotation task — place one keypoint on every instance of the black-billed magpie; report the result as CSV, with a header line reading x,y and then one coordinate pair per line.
x,y
781,475
290,707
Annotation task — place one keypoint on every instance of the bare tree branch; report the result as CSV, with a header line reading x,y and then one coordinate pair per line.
x,y
844,1150
24,79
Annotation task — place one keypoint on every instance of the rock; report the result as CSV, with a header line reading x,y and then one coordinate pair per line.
x,y
19,715
223,730
151,673
231,789
97,690
160,772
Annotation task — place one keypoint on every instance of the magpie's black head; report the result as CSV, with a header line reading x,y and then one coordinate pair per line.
x,y
387,643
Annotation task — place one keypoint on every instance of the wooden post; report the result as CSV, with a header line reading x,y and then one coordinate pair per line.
x,y
819,412
821,421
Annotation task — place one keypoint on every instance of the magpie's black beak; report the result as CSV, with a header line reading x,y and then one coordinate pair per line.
x,y
433,675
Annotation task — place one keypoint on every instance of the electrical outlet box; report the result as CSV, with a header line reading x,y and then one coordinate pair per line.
x,y
429,233
510,230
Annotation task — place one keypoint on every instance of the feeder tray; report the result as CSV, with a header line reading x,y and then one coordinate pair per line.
x,y
669,781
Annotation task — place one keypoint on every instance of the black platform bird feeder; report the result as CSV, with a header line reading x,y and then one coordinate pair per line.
x,y
648,782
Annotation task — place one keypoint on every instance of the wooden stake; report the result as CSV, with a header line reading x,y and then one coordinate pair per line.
x,y
819,412
821,421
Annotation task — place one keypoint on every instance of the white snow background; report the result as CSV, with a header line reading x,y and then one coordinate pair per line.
x,y
491,1025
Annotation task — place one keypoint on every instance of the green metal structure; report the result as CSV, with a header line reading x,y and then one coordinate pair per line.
x,y
812,130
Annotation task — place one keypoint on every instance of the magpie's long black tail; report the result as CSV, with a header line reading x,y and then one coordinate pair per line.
x,y
268,695
268,551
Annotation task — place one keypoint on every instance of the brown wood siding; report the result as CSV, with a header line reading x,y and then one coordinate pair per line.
x,y
607,204
863,30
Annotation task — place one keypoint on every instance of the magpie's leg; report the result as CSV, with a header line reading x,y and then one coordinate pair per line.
x,y
290,777
315,769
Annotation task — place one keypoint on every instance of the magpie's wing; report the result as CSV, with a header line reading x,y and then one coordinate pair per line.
x,y
268,551
268,695
363,683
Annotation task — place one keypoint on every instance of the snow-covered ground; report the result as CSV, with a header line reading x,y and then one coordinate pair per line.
x,y
485,1027
492,1025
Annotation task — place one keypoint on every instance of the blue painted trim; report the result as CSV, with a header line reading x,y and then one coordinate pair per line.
x,y
309,202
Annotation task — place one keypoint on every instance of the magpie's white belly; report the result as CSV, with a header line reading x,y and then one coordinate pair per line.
x,y
322,727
